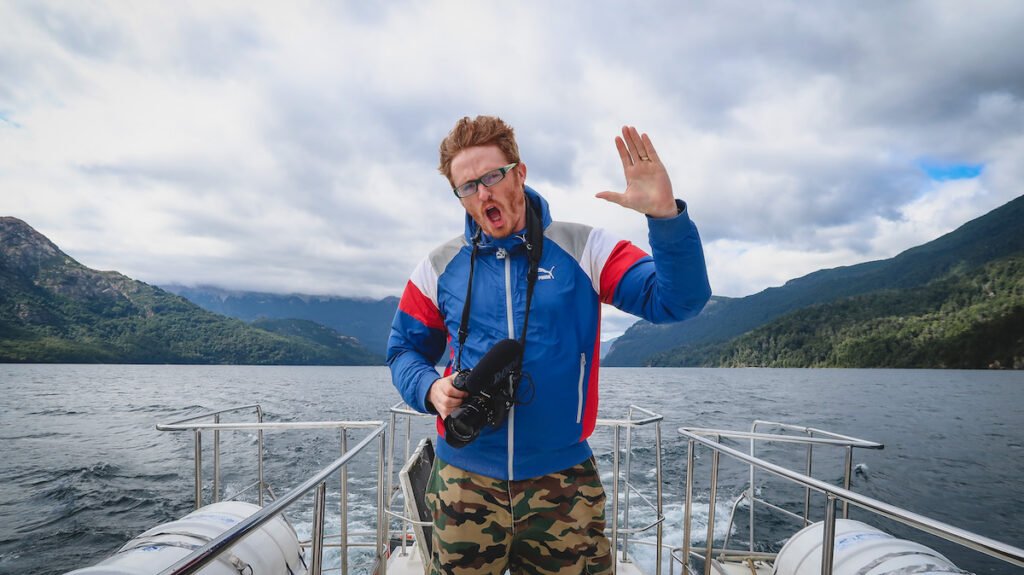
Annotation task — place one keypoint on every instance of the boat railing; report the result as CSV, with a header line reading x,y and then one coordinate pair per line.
x,y
318,482
846,442
620,536
811,438
712,439
621,531
189,424
393,492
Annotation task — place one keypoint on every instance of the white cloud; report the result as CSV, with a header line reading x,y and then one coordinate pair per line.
x,y
292,146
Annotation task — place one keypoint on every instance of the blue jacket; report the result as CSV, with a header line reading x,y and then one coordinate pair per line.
x,y
581,267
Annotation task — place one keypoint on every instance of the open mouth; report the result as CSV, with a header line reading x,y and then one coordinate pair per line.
x,y
493,214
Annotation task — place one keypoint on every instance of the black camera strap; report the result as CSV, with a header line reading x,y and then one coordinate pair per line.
x,y
464,324
534,251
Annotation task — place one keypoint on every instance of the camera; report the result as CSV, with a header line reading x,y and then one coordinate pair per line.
x,y
491,388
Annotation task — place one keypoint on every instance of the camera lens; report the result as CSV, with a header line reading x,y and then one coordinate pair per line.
x,y
464,424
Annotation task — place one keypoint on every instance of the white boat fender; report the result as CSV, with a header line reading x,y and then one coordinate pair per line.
x,y
273,548
154,541
860,549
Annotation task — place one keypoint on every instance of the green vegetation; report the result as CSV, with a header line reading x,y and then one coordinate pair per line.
x,y
169,331
955,302
367,320
321,335
967,319
53,309
994,236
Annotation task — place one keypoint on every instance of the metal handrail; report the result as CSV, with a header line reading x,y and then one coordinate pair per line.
x,y
242,426
832,439
316,542
849,442
197,434
616,425
260,426
407,522
629,424
209,552
991,547
256,406
812,430
845,442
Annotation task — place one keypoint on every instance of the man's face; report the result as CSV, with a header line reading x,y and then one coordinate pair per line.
x,y
500,209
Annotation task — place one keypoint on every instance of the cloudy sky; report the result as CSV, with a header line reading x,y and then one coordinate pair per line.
x,y
292,146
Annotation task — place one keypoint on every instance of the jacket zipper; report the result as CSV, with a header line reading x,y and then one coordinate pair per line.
x,y
583,370
503,255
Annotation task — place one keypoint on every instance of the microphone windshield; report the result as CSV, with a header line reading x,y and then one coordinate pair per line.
x,y
500,357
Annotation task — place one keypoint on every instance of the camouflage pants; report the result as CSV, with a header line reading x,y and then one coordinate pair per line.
x,y
545,525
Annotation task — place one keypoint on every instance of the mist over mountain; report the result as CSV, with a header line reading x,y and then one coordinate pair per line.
x,y
367,320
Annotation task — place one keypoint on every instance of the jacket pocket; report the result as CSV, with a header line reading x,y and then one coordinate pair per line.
x,y
579,392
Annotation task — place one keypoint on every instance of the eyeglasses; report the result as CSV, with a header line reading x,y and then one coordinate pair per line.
x,y
489,179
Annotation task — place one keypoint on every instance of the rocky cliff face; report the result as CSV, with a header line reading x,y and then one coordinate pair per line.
x,y
22,247
29,254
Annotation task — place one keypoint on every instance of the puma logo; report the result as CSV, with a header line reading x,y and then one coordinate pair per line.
x,y
546,274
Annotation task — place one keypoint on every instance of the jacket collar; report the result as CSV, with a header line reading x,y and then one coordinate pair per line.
x,y
514,240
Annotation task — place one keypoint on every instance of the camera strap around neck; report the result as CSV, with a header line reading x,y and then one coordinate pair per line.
x,y
534,250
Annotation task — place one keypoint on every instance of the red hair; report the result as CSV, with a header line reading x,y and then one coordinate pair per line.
x,y
479,131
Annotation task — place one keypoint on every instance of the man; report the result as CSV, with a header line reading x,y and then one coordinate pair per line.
x,y
525,495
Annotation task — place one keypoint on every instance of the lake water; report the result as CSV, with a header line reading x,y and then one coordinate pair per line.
x,y
83,469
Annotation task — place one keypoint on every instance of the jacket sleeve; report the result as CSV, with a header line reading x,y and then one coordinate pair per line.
x,y
671,286
417,340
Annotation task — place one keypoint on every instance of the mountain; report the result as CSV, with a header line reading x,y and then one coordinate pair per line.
x,y
369,321
308,330
988,238
54,309
966,320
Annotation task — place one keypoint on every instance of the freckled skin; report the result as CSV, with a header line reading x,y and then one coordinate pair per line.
x,y
506,197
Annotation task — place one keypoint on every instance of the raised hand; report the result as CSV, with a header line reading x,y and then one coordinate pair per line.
x,y
648,189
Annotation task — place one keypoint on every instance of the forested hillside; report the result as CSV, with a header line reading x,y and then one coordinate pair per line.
x,y
994,236
967,319
54,309
367,320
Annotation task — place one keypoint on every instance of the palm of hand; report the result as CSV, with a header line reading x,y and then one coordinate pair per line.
x,y
648,187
